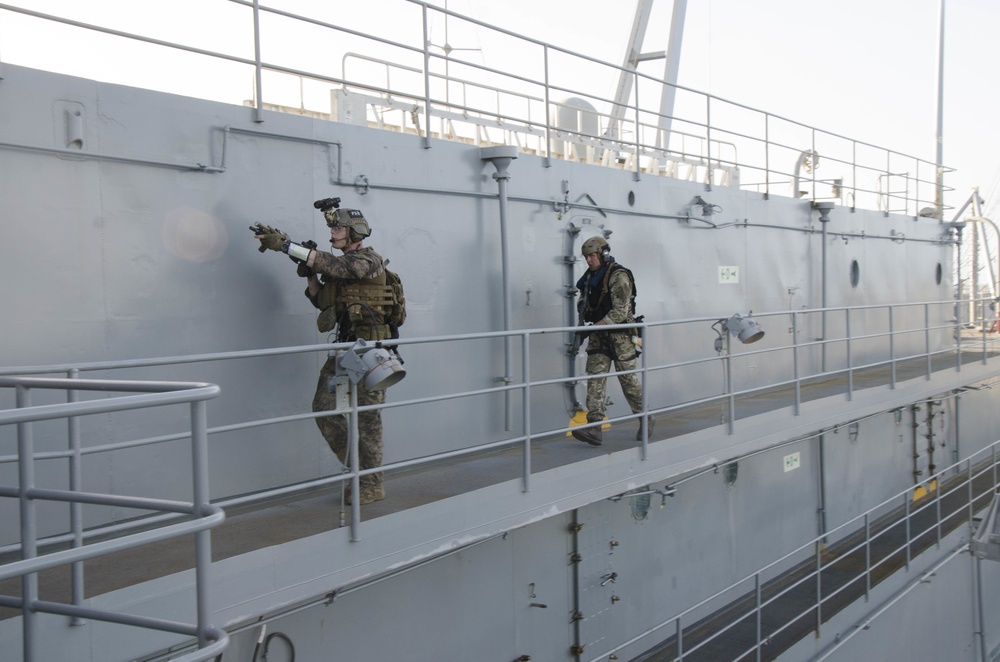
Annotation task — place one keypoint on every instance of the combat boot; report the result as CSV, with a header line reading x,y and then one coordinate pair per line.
x,y
371,494
650,423
591,436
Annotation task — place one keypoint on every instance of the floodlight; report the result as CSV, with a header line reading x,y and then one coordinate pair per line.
x,y
377,366
744,328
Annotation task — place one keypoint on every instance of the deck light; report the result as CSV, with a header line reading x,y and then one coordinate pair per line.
x,y
744,328
377,366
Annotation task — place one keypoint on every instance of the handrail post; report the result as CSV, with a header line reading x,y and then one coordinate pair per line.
x,y
868,558
972,497
795,362
427,89
812,139
937,508
643,422
982,304
547,161
906,510
759,612
708,140
258,113
993,464
355,462
767,156
75,508
888,183
680,640
850,359
29,531
731,399
201,499
526,408
819,585
927,337
892,352
959,304
638,138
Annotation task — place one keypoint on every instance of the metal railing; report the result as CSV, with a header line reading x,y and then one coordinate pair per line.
x,y
849,355
764,152
909,523
199,514
889,349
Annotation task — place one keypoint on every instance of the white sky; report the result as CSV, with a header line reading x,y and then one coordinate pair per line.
x,y
861,68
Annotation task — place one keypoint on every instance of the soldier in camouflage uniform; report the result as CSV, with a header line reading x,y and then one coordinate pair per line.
x,y
350,291
607,296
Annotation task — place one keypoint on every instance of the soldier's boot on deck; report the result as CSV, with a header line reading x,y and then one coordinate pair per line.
x,y
649,426
592,436
369,494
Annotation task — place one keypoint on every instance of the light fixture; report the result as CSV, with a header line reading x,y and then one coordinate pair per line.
x,y
707,208
744,328
729,473
376,365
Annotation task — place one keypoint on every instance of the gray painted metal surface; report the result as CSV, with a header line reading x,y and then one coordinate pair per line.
x,y
138,281
147,221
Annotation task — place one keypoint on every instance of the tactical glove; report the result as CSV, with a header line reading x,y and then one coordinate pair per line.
x,y
270,238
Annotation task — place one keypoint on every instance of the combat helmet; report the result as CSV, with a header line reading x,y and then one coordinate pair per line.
x,y
352,219
596,245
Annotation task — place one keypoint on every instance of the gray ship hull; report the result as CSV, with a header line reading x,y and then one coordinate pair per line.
x,y
501,538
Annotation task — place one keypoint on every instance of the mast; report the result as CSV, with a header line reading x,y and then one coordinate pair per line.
x,y
670,70
634,55
642,10
939,136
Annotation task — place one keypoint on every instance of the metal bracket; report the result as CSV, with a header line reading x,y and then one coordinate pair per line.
x,y
361,185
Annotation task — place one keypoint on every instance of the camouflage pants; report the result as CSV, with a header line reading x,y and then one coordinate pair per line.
x,y
600,350
335,430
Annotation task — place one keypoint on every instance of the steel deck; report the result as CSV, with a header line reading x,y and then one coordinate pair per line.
x,y
310,513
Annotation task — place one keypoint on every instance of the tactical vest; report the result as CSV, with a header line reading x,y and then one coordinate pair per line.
x,y
359,306
597,300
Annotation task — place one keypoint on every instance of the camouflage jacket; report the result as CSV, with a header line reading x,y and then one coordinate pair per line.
x,y
362,264
611,299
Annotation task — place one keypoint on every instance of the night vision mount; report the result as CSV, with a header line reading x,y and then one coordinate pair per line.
x,y
326,204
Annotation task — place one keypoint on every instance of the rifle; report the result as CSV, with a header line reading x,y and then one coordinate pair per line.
x,y
578,336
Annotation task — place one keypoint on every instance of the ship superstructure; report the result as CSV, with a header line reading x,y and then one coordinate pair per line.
x,y
806,496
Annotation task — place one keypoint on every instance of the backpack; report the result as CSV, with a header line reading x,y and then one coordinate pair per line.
x,y
395,314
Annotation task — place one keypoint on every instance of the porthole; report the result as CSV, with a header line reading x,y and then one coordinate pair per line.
x,y
938,273
631,198
855,273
